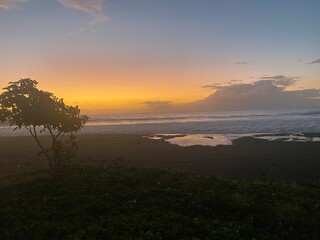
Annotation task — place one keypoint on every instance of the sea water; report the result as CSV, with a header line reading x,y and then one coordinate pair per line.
x,y
204,128
216,122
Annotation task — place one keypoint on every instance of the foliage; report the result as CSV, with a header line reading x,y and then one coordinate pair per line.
x,y
120,203
25,106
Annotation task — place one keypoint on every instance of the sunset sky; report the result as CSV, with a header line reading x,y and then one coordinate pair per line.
x,y
128,55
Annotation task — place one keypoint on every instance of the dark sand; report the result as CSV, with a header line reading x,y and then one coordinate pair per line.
x,y
247,158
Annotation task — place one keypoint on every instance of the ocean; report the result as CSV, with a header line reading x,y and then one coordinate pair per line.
x,y
218,122
201,127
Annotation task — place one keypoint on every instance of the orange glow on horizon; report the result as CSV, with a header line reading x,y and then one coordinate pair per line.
x,y
125,88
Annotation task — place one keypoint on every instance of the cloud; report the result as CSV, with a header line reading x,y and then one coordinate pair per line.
x,y
315,61
8,4
244,62
92,7
216,86
159,105
280,80
266,92
241,63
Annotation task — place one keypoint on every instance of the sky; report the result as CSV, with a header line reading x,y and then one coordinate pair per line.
x,y
111,56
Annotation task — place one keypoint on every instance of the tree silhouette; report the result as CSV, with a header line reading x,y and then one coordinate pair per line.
x,y
25,106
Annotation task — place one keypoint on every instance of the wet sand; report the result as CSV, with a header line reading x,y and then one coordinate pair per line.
x,y
246,158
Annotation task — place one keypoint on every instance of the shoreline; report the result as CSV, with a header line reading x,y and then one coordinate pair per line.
x,y
247,158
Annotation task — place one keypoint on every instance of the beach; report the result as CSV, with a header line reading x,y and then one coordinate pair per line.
x,y
248,157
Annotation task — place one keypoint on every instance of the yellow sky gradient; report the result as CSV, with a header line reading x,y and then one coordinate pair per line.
x,y
125,88
113,92
118,83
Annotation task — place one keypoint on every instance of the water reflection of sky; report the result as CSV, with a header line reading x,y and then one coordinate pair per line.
x,y
227,139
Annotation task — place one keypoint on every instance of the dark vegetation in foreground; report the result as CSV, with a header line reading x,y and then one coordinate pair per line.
x,y
121,203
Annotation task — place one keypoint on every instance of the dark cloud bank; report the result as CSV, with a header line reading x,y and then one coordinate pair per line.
x,y
265,93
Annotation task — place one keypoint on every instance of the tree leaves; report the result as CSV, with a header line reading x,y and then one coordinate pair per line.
x,y
22,104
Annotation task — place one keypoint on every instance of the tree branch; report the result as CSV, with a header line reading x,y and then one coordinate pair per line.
x,y
35,136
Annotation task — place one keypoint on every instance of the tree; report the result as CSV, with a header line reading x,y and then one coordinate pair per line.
x,y
23,105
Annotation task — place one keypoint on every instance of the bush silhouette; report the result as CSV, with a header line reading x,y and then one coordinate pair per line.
x,y
23,105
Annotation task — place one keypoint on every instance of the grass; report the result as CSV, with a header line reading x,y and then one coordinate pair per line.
x,y
122,203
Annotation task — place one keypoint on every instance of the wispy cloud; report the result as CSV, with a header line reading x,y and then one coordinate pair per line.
x,y
315,61
213,86
8,4
92,7
241,63
216,86
244,62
